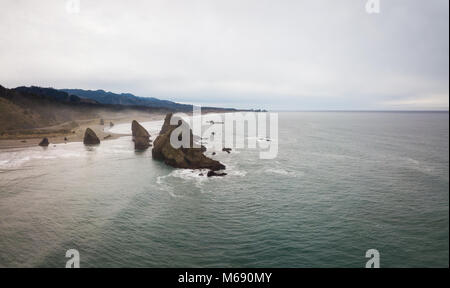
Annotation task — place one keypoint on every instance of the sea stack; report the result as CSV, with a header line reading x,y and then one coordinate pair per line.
x,y
44,142
90,138
228,150
166,125
183,157
141,137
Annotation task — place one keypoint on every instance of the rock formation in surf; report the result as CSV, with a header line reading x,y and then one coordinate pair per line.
x,y
44,142
215,174
166,125
90,138
228,150
141,137
182,157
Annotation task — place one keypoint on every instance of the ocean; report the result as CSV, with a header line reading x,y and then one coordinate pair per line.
x,y
341,184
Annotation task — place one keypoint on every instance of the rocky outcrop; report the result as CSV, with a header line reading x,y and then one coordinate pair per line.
x,y
215,174
141,137
90,138
140,143
44,142
166,126
138,130
183,157
228,150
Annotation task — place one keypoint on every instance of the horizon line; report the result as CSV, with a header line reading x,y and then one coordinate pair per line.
x,y
356,110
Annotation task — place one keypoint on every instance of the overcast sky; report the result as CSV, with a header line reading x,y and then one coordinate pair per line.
x,y
303,55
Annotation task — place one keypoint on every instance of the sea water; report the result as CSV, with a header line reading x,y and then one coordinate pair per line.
x,y
341,184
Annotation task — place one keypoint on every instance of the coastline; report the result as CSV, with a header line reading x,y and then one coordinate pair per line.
x,y
77,135
23,140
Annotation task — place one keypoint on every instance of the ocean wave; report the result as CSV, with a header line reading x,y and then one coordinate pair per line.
x,y
13,160
232,170
14,163
279,171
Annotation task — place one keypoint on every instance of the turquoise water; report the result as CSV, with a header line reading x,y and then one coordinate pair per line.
x,y
342,183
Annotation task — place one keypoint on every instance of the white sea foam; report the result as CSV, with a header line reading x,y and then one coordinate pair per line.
x,y
159,179
18,158
237,173
279,171
197,176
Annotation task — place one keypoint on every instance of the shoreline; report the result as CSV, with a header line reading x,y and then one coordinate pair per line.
x,y
22,141
77,135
